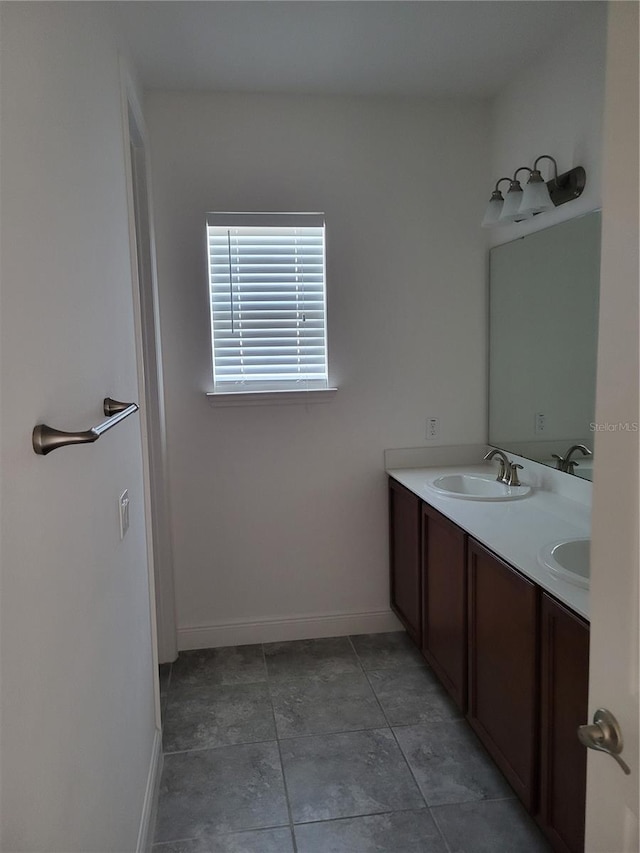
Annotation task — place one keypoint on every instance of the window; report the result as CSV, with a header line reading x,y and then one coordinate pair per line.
x,y
268,303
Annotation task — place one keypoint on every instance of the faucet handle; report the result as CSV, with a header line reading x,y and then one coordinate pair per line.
x,y
559,463
512,479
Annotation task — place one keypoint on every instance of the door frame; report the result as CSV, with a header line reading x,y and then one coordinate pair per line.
x,y
150,378
612,797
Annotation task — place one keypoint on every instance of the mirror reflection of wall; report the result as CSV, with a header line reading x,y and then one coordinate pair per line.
x,y
543,316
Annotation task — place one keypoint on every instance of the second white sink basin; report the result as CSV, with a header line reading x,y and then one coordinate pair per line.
x,y
568,560
476,487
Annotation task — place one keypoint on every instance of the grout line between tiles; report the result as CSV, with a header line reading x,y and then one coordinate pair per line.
x,y
441,831
404,757
219,746
360,664
334,732
160,844
284,778
357,816
406,761
452,721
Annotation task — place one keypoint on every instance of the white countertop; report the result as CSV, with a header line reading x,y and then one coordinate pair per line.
x,y
514,530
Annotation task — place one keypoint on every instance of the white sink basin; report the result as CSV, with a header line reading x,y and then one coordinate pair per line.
x,y
568,560
476,487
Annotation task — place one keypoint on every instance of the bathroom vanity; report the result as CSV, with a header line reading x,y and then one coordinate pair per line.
x,y
507,639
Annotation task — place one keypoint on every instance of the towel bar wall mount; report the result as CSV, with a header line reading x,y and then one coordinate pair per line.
x,y
46,438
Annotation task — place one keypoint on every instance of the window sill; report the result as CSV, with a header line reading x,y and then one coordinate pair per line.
x,y
270,398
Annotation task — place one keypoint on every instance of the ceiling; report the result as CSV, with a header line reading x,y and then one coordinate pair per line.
x,y
425,47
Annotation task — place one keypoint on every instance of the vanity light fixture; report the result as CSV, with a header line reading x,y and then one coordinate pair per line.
x,y
537,197
494,208
513,202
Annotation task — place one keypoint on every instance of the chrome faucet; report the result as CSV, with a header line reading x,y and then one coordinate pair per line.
x,y
508,471
512,476
566,463
505,464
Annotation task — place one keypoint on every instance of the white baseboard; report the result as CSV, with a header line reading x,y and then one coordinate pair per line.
x,y
277,630
150,805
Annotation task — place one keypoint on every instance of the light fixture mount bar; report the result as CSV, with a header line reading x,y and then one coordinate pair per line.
x,y
567,186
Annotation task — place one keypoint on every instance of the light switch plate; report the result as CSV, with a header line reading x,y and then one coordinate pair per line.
x,y
123,508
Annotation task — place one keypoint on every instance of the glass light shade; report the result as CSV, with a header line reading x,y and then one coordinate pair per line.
x,y
535,198
511,209
493,211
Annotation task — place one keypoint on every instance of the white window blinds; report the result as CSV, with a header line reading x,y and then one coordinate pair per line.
x,y
268,305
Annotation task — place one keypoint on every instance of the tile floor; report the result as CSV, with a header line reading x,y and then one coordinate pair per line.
x,y
337,745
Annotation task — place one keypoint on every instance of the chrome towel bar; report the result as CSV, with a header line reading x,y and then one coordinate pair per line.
x,y
45,438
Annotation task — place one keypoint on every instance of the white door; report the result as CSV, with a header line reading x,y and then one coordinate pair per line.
x,y
612,796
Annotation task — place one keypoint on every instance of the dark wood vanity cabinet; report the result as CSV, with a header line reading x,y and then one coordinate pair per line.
x,y
405,558
503,667
512,658
444,602
564,706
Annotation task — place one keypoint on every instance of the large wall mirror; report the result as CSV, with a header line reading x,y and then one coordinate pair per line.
x,y
543,327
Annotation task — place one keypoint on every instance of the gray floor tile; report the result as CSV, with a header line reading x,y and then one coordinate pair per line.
x,y
449,764
346,775
412,695
257,841
325,656
221,790
217,715
385,651
325,703
229,665
397,832
489,827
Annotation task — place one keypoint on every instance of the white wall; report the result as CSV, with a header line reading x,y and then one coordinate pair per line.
x,y
78,713
555,107
280,511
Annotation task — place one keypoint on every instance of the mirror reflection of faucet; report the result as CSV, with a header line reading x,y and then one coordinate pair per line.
x,y
566,463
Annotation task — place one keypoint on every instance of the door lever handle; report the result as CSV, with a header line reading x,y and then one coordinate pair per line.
x,y
604,734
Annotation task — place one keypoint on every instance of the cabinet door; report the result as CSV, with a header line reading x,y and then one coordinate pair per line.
x,y
444,602
564,692
404,548
503,667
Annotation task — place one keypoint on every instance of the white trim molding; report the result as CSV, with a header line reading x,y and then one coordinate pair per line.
x,y
278,630
150,377
150,804
270,398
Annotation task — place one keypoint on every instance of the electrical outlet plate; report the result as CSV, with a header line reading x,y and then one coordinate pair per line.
x,y
433,428
540,422
123,509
